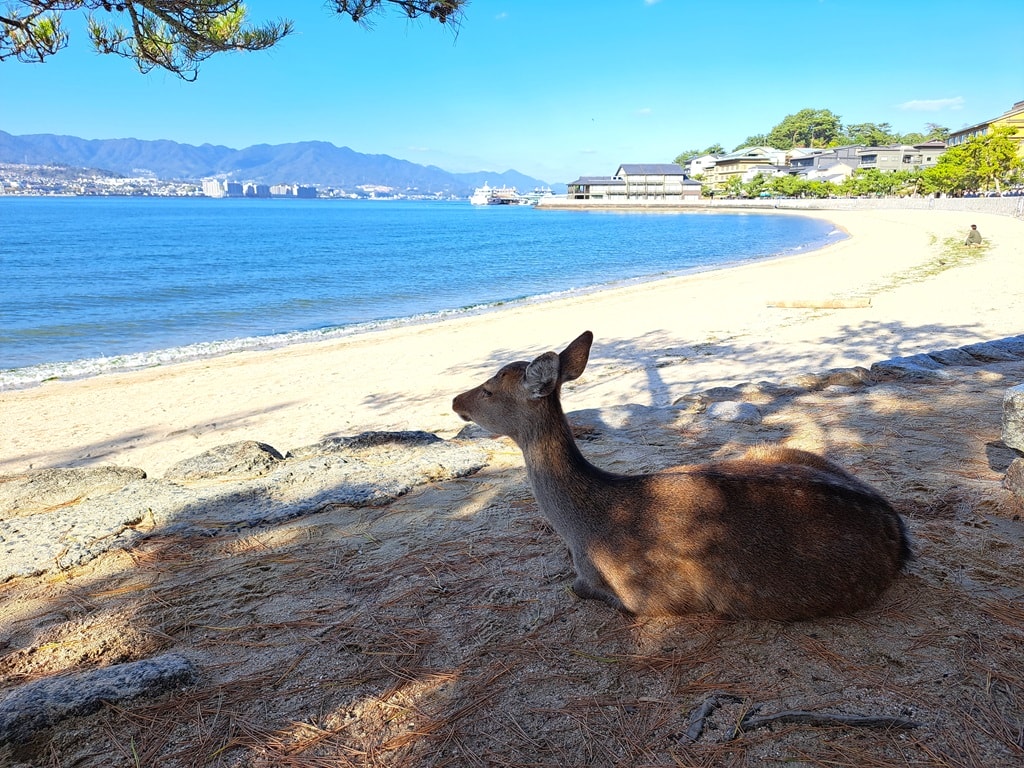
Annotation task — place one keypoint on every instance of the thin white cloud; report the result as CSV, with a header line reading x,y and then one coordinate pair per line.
x,y
651,2
933,105
644,111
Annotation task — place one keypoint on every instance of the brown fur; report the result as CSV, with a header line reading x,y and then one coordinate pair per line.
x,y
778,534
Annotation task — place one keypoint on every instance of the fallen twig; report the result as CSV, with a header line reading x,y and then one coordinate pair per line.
x,y
751,720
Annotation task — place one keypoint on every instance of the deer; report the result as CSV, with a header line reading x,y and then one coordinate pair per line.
x,y
777,534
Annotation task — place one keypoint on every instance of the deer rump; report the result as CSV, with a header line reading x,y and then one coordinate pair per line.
x,y
743,539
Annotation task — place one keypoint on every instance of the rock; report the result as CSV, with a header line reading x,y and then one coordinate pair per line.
x,y
628,417
954,357
736,412
44,703
914,366
43,489
255,487
843,377
245,459
999,350
1013,418
365,442
72,534
1013,481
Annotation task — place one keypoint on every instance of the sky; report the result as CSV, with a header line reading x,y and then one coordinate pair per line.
x,y
550,88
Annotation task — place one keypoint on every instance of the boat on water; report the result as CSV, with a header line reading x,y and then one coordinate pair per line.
x,y
488,195
481,195
538,194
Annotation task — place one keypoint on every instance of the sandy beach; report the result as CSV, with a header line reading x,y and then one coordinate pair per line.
x,y
400,600
654,343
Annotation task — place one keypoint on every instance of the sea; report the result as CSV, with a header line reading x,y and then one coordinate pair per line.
x,y
90,285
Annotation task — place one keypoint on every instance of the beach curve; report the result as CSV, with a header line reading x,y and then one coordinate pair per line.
x,y
655,342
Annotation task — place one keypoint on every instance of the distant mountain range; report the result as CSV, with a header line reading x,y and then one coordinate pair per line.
x,y
315,163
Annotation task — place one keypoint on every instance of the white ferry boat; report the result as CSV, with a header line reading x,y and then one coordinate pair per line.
x,y
488,195
538,193
481,195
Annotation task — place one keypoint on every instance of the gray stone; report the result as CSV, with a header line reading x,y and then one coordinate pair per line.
x,y
44,703
843,377
631,416
857,376
42,489
1013,418
372,469
734,411
954,356
245,459
913,366
365,443
1013,481
998,350
76,533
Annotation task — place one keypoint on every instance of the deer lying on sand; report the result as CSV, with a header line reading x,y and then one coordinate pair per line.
x,y
778,534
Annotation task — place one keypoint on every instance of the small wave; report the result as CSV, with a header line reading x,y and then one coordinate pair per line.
x,y
33,375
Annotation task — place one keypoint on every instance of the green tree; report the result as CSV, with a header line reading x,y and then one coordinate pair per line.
x,y
788,185
756,186
932,132
871,134
684,157
734,186
935,132
987,162
175,35
757,140
806,128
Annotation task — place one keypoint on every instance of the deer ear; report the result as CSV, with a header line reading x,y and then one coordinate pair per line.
x,y
542,376
574,357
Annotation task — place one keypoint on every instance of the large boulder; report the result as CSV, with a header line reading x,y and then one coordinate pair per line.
x,y
1013,418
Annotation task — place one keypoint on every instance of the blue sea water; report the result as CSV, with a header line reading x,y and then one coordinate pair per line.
x,y
89,285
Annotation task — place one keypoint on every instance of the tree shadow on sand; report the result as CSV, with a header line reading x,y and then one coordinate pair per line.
x,y
436,628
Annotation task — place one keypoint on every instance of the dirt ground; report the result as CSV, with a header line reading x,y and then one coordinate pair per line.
x,y
440,630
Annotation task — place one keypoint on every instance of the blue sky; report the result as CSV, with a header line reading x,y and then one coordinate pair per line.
x,y
550,88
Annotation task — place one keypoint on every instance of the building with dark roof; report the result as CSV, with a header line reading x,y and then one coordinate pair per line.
x,y
638,183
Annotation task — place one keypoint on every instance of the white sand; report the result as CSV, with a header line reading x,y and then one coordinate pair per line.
x,y
405,378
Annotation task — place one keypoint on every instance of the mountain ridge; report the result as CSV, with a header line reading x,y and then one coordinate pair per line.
x,y
315,163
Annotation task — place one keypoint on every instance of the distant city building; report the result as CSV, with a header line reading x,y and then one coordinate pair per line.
x,y
292,190
257,190
213,188
250,189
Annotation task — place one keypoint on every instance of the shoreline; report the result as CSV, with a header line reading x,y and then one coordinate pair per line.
x,y
656,341
72,369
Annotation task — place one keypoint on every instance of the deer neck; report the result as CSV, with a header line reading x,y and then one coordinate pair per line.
x,y
569,489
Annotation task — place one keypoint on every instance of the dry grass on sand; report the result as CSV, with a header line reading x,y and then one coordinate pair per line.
x,y
439,630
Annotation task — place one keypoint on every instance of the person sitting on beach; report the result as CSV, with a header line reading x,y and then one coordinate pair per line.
x,y
973,236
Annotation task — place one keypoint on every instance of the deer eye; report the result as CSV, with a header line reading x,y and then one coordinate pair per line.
x,y
485,392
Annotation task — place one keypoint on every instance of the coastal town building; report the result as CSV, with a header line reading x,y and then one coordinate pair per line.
x,y
901,157
736,164
632,182
1014,117
698,167
832,164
